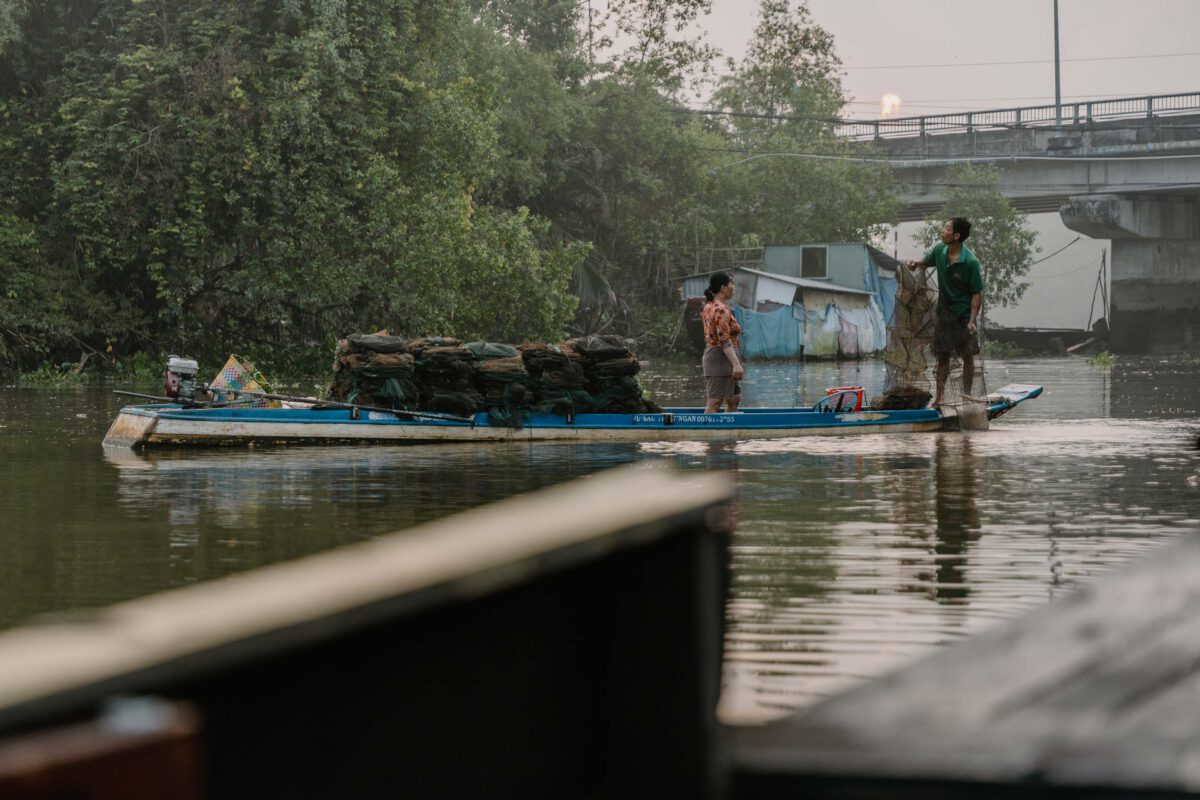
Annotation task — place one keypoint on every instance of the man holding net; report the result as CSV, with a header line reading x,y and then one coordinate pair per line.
x,y
960,298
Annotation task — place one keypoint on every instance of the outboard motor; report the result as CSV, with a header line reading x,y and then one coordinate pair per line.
x,y
179,382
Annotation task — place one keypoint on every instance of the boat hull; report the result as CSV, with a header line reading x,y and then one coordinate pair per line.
x,y
141,426
173,425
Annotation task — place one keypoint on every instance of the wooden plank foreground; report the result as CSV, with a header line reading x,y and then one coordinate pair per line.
x,y
110,758
1096,695
563,644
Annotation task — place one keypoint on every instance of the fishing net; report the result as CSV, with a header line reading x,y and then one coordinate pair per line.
x,y
912,364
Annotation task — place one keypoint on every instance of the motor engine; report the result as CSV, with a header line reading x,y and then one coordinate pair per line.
x,y
179,382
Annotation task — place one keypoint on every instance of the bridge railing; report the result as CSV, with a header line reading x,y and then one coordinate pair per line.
x,y
1147,107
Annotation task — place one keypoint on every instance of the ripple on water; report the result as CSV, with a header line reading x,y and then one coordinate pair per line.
x,y
855,555
852,555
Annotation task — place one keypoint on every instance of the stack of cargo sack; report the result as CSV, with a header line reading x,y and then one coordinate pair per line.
x,y
611,370
557,379
374,370
446,376
588,374
501,376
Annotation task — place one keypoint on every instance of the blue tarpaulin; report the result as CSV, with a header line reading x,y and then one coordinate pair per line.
x,y
884,290
771,334
789,332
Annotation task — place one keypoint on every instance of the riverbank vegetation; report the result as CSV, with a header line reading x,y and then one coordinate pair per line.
x,y
269,175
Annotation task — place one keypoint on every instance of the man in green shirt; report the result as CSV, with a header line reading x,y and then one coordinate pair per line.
x,y
960,298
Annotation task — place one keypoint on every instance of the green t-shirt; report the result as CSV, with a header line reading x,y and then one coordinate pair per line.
x,y
957,282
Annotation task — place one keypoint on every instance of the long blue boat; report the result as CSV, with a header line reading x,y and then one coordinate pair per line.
x,y
166,425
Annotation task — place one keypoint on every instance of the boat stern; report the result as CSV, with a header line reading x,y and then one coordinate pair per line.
x,y
131,428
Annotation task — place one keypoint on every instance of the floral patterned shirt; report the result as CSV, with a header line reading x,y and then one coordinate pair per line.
x,y
720,327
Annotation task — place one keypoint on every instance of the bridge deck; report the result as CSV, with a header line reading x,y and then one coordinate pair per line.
x,y
1082,113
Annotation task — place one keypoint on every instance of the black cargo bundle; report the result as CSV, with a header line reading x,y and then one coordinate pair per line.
x,y
588,374
446,377
610,368
502,377
557,379
375,377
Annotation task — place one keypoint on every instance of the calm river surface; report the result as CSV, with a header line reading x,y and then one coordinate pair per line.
x,y
852,555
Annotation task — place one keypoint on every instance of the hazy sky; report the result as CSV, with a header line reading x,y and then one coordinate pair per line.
x,y
882,42
1139,40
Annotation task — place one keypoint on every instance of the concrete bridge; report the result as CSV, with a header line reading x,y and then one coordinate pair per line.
x,y
1126,169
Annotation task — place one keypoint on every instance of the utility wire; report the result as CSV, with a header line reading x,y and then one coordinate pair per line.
x,y
1067,98
705,112
1056,252
952,108
925,161
1034,61
922,161
1124,187
1075,271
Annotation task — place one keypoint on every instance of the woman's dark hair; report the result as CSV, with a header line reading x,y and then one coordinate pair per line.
x,y
961,226
716,283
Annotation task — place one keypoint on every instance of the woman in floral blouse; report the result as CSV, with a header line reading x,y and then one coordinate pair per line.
x,y
722,365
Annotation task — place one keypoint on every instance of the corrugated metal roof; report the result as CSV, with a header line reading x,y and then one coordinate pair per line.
x,y
824,286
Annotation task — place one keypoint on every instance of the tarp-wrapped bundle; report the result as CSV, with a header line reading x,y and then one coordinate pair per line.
x,y
611,371
501,376
446,377
418,346
556,378
589,374
374,369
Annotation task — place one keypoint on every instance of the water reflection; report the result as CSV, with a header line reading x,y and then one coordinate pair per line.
x,y
892,544
955,487
240,489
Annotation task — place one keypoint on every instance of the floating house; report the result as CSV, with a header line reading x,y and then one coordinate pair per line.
x,y
806,301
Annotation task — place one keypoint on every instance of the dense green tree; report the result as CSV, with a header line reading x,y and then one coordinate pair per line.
x,y
1000,234
268,173
665,46
272,174
789,75
529,55
40,303
635,189
788,179
10,11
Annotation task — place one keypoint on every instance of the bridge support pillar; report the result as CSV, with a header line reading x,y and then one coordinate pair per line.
x,y
1155,267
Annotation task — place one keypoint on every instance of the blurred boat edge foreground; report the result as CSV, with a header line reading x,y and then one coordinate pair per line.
x,y
565,643
1092,696
172,424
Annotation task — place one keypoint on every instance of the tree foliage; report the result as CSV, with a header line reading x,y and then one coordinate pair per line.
x,y
273,174
1000,234
267,173
667,51
789,179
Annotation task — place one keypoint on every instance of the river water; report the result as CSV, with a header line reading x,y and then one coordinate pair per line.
x,y
852,555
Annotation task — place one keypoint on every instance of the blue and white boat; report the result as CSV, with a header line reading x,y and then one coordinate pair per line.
x,y
163,425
